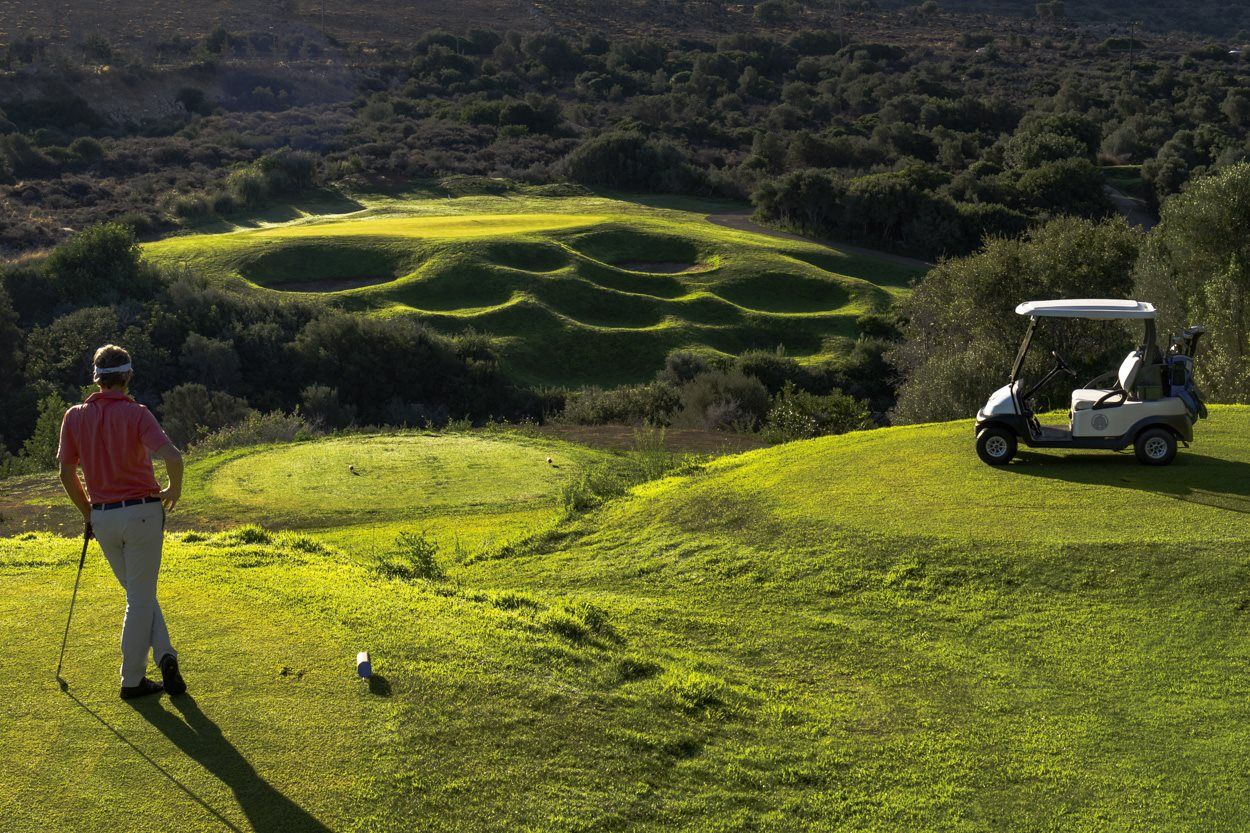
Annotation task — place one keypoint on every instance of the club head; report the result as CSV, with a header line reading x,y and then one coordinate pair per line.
x,y
62,682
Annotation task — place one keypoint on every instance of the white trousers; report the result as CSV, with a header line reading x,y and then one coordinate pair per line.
x,y
131,539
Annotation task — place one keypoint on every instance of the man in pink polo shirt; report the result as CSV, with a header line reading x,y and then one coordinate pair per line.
x,y
113,438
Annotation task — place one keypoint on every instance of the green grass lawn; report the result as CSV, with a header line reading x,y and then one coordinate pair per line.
x,y
577,289
866,632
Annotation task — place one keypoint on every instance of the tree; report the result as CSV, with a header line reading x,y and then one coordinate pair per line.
x,y
321,406
1236,107
961,330
102,263
630,160
191,412
211,362
39,450
11,359
1195,267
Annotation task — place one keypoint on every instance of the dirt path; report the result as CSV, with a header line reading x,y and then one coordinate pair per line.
x,y
743,222
1133,209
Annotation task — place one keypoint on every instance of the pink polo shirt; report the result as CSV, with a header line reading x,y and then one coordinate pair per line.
x,y
111,436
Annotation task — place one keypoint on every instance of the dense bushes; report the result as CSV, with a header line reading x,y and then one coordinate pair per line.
x,y
631,161
207,357
924,211
755,391
1195,268
797,415
961,331
730,116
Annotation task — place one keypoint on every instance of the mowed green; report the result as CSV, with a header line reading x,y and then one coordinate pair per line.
x,y
463,490
867,632
577,290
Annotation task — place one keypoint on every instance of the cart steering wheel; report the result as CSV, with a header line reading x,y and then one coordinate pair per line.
x,y
1063,364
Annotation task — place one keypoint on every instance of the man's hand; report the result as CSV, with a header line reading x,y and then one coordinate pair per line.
x,y
173,467
170,497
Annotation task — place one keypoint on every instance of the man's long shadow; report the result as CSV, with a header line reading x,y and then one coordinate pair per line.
x,y
267,810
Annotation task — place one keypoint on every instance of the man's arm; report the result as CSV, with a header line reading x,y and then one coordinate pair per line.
x,y
73,488
171,494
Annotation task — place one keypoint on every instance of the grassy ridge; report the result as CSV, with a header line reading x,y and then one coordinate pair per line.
x,y
580,290
873,631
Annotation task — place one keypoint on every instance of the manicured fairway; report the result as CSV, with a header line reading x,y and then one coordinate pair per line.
x,y
867,632
576,289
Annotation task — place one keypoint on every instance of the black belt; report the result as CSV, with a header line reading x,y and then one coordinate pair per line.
x,y
122,504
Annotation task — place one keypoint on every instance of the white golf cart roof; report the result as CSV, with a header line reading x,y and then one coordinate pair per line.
x,y
1098,308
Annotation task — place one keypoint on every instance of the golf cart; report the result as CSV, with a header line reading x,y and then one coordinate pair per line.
x,y
1150,402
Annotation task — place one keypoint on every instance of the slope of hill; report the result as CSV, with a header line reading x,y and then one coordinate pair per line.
x,y
866,632
582,290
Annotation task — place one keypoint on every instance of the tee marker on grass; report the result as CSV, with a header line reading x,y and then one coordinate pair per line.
x,y
364,666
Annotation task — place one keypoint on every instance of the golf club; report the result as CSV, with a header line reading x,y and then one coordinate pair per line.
x,y
86,539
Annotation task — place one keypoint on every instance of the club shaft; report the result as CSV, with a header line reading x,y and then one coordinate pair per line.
x,y
82,559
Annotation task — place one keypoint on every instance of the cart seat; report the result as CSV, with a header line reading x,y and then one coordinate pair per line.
x,y
1127,375
1087,397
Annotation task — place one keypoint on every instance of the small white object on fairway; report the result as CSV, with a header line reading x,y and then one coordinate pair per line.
x,y
364,666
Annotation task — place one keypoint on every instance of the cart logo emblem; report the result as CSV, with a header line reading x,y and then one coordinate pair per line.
x,y
1100,422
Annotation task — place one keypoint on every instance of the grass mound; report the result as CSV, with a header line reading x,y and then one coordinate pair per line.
x,y
362,491
320,267
576,290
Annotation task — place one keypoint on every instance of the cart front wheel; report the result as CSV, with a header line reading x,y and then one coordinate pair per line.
x,y
1155,447
996,446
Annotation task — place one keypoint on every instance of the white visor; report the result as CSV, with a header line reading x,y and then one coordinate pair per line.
x,y
121,368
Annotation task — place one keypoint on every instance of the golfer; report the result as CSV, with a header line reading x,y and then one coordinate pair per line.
x,y
112,438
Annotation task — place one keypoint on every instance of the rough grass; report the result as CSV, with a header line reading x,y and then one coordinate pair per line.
x,y
868,632
564,283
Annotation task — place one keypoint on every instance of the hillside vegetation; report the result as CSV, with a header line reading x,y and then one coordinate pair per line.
x,y
873,631
580,290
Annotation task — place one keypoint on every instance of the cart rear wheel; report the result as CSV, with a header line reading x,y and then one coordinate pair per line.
x,y
996,446
1155,447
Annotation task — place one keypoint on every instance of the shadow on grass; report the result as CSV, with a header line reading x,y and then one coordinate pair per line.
x,y
379,686
168,775
317,202
1194,478
267,810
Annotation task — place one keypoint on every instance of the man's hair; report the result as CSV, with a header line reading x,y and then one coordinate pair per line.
x,y
110,355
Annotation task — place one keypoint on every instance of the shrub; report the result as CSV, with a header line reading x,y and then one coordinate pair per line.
x,y
321,406
682,366
797,414
723,401
39,449
414,555
258,429
192,412
652,403
631,161
102,263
